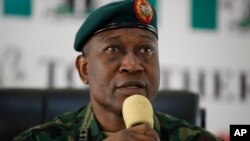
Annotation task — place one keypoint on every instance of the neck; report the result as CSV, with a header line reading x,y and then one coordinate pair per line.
x,y
109,121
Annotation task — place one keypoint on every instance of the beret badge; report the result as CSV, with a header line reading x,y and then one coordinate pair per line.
x,y
143,11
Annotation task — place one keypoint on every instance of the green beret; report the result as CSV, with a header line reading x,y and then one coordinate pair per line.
x,y
128,13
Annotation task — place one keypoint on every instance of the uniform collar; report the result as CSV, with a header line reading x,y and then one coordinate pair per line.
x,y
89,122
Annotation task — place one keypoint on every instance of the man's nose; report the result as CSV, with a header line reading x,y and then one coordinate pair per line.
x,y
131,64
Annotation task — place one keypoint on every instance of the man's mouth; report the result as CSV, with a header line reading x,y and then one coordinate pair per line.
x,y
131,84
132,87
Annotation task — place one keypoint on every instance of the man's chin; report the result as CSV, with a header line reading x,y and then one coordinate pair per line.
x,y
116,107
117,111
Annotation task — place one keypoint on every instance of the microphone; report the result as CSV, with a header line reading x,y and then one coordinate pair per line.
x,y
137,109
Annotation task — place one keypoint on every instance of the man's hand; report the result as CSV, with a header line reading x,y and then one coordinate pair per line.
x,y
141,132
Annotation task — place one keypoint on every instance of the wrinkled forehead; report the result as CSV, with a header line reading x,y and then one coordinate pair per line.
x,y
115,34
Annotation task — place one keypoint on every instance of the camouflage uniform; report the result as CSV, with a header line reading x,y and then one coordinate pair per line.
x,y
67,127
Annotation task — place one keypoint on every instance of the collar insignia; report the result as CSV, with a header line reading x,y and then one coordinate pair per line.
x,y
143,11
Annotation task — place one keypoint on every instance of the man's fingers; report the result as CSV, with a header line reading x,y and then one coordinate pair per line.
x,y
130,135
136,133
145,129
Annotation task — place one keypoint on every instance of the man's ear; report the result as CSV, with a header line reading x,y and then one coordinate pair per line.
x,y
82,67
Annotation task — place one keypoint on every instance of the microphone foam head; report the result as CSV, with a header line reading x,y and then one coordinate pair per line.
x,y
137,109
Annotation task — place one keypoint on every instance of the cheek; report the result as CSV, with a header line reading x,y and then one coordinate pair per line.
x,y
154,81
100,72
150,60
151,63
154,73
96,72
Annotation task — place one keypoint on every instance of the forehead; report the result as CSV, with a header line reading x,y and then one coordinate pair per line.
x,y
125,33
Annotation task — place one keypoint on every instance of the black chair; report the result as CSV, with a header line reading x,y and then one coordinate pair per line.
x,y
59,101
180,104
21,109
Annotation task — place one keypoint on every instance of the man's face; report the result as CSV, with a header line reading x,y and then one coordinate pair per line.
x,y
120,63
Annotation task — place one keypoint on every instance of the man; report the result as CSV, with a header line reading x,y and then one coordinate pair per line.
x,y
119,45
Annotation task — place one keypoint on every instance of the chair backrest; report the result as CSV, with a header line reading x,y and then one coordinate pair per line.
x,y
21,109
59,101
180,104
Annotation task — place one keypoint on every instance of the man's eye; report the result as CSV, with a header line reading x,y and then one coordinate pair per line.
x,y
147,50
112,49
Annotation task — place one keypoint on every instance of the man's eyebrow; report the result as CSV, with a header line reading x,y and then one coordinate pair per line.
x,y
149,37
